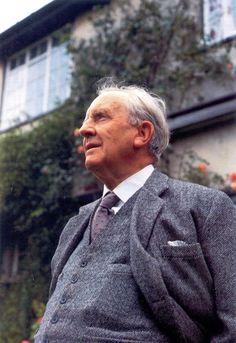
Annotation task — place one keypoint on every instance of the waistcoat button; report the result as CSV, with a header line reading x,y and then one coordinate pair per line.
x,y
54,319
63,299
83,264
74,278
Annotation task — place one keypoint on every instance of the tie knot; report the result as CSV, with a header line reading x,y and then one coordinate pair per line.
x,y
109,200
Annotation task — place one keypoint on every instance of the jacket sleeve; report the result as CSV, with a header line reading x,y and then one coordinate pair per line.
x,y
219,246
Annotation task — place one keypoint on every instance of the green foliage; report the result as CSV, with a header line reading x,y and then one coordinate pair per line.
x,y
38,308
11,316
36,170
16,308
35,173
157,45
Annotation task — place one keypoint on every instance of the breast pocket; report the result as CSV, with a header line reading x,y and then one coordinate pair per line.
x,y
186,251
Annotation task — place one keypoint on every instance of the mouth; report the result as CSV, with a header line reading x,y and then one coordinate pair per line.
x,y
90,146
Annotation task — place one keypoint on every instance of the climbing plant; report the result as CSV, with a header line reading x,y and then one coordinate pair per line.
x,y
158,45
36,170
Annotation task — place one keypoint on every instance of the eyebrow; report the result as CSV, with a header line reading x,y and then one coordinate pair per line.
x,y
95,113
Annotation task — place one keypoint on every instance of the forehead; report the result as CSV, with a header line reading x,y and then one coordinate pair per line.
x,y
109,102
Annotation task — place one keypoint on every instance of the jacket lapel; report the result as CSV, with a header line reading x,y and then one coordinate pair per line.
x,y
147,206
145,268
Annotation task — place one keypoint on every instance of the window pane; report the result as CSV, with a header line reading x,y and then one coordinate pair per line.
x,y
13,96
35,87
55,41
31,74
33,52
43,47
13,64
59,80
21,59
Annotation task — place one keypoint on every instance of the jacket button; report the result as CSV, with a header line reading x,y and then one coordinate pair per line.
x,y
63,299
54,319
74,278
83,264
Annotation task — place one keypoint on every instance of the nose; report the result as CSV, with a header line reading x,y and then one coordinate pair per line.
x,y
87,129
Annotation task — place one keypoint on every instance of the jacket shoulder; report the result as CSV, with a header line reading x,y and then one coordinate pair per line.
x,y
202,202
189,190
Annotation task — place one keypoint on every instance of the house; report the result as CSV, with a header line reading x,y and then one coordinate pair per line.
x,y
35,78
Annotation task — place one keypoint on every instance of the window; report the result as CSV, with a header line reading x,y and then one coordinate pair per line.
x,y
37,80
219,20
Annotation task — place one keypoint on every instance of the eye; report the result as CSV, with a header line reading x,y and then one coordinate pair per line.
x,y
100,116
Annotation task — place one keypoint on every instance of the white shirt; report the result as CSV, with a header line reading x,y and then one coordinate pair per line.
x,y
129,186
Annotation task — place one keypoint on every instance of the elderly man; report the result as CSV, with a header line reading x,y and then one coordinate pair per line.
x,y
154,260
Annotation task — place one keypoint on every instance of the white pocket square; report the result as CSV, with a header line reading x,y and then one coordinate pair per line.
x,y
176,243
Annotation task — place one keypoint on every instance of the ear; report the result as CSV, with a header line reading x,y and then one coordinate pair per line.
x,y
144,134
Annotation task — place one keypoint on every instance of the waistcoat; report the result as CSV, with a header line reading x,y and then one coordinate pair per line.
x,y
96,297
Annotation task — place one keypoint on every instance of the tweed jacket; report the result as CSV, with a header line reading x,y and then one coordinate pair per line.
x,y
182,256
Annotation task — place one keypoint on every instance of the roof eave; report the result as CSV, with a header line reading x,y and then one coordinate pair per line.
x,y
207,114
42,22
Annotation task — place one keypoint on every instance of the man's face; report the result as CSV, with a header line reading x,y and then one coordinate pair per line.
x,y
108,137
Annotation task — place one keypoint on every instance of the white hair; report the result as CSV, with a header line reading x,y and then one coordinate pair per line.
x,y
144,105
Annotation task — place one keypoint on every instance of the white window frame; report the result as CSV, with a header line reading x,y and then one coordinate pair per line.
x,y
219,18
23,117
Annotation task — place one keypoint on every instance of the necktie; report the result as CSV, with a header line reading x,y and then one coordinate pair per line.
x,y
103,213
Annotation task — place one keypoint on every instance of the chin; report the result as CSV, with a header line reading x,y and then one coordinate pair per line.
x,y
92,165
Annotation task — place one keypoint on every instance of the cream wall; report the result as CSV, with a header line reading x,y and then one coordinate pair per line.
x,y
83,26
216,144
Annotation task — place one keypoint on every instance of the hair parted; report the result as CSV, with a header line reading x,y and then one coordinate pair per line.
x,y
143,105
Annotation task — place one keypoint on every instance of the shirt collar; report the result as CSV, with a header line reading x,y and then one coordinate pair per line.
x,y
132,184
